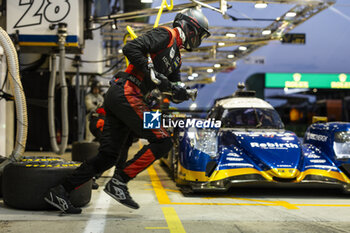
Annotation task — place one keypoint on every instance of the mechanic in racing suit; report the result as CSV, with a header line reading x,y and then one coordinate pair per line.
x,y
125,106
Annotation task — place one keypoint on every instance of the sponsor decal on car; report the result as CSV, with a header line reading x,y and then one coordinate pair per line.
x,y
284,165
321,167
233,155
313,156
286,136
317,160
316,137
234,159
275,145
236,165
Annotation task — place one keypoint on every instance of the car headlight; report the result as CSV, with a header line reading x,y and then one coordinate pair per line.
x,y
204,140
341,144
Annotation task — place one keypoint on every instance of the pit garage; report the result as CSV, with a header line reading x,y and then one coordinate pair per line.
x,y
261,143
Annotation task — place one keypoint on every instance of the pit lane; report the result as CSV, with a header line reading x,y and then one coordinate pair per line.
x,y
164,208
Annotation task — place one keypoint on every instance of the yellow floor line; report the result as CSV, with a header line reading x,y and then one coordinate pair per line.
x,y
324,205
279,203
167,190
164,199
173,221
161,194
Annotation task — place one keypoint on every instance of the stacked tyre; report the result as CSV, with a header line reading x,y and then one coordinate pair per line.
x,y
26,182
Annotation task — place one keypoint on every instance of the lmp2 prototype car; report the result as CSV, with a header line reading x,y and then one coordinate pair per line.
x,y
252,147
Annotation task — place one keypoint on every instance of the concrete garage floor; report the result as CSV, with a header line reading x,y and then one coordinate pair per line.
x,y
165,209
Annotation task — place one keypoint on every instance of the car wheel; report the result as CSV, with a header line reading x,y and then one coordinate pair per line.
x,y
82,151
2,159
25,183
175,160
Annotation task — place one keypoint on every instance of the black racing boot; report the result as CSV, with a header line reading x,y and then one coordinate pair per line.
x,y
58,197
117,189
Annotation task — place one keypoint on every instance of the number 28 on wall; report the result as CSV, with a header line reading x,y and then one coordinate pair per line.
x,y
52,10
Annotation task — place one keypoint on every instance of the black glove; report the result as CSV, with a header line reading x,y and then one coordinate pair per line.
x,y
179,94
165,84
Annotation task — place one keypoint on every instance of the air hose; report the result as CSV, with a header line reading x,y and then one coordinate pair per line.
x,y
20,101
62,34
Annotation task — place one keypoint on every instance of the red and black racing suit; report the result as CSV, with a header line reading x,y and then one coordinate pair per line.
x,y
124,105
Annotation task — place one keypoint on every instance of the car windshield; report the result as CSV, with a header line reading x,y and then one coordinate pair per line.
x,y
342,144
251,118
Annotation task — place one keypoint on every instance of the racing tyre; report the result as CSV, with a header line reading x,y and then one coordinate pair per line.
x,y
26,182
82,151
174,159
2,159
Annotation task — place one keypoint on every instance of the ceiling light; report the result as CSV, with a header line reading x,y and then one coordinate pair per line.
x,y
230,56
195,75
291,14
193,106
120,51
242,48
114,24
230,35
266,32
190,77
210,70
221,43
217,65
146,1
260,5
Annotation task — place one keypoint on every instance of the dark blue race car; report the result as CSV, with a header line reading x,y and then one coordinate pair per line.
x,y
252,147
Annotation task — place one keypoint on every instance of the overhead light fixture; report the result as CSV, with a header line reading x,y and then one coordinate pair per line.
x,y
242,48
193,106
190,77
195,75
291,14
146,1
114,25
230,56
217,65
266,32
260,5
210,70
120,51
213,79
221,43
231,35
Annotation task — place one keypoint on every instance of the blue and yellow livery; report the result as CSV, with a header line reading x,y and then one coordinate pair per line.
x,y
252,147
